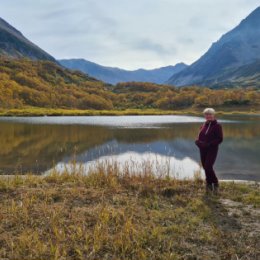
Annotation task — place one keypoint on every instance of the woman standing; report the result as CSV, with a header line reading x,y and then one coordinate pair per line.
x,y
209,138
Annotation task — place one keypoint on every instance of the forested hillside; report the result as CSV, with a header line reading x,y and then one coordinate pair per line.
x,y
45,84
143,95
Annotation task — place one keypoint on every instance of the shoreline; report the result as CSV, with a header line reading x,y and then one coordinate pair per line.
x,y
39,112
42,176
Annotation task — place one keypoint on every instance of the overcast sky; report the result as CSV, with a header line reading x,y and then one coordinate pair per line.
x,y
126,33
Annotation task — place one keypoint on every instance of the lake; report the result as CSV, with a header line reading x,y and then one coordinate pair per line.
x,y
37,144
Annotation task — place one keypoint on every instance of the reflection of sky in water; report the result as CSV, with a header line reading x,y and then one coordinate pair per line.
x,y
148,121
36,144
137,163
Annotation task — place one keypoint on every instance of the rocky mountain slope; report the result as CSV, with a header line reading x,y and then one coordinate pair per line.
x,y
226,58
14,44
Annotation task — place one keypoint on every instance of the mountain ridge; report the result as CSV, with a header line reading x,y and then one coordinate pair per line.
x,y
14,44
114,75
238,47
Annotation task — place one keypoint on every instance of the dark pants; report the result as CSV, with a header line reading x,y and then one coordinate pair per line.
x,y
208,157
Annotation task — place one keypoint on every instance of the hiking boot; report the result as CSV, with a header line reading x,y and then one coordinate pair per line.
x,y
208,188
215,188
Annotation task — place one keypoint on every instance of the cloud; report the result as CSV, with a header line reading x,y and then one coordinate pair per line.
x,y
149,45
127,34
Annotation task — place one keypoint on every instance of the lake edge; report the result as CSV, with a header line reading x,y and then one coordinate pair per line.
x,y
70,112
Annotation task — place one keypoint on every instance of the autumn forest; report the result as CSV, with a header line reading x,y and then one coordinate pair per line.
x,y
26,83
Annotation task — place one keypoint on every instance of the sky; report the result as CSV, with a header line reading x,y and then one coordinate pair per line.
x,y
128,34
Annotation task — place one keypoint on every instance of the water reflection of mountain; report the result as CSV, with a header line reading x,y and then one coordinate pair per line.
x,y
235,161
37,148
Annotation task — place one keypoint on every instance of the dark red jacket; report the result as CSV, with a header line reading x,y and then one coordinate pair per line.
x,y
210,134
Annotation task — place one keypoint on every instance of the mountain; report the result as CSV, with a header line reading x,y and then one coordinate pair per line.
x,y
115,75
244,76
14,44
225,59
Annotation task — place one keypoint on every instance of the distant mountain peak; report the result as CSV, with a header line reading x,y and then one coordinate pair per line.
x,y
15,45
6,26
236,48
253,16
252,21
114,75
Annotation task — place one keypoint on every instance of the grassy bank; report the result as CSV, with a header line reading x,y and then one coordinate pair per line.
x,y
109,214
34,111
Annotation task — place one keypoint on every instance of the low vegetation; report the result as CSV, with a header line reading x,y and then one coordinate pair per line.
x,y
26,84
36,111
111,214
149,95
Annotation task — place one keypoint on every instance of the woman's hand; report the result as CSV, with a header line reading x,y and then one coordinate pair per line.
x,y
201,144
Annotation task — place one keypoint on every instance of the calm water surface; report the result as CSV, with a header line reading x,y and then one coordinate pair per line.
x,y
37,144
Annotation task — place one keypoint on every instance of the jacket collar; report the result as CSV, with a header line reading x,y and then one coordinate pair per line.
x,y
212,122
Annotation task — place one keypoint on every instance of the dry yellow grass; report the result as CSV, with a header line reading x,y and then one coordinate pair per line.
x,y
110,214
